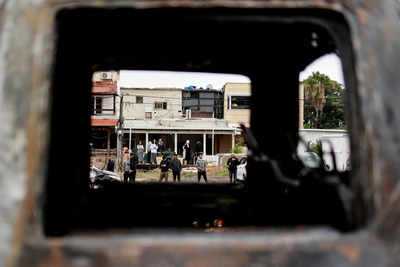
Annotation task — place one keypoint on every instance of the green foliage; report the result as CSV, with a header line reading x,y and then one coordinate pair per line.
x,y
330,109
237,149
316,148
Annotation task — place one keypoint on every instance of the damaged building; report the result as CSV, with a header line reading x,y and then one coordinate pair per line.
x,y
104,108
151,114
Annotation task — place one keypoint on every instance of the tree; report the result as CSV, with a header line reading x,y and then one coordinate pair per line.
x,y
314,92
324,103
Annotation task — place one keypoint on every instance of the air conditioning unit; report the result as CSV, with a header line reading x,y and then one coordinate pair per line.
x,y
106,75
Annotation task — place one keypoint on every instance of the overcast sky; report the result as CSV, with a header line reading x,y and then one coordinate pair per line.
x,y
329,65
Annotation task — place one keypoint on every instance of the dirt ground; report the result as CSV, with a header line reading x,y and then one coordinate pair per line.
x,y
215,174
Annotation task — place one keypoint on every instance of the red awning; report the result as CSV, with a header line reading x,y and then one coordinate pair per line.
x,y
104,88
104,122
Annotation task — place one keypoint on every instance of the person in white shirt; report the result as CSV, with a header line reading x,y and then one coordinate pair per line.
x,y
153,149
149,152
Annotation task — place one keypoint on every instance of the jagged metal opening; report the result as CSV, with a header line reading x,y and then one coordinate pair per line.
x,y
271,47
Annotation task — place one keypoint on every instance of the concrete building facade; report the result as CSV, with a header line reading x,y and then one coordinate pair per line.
x,y
105,115
151,104
237,103
150,114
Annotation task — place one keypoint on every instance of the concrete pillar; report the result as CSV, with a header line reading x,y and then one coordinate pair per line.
x,y
176,143
212,143
147,141
204,144
108,141
301,105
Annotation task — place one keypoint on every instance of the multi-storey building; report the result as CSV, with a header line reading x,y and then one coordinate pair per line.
x,y
104,108
237,103
150,114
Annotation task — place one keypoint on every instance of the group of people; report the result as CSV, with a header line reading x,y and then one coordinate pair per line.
x,y
129,168
187,152
152,149
130,161
175,166
160,147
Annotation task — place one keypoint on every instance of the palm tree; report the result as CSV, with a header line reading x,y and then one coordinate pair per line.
x,y
314,91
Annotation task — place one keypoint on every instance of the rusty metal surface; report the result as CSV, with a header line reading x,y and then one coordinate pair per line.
x,y
261,248
26,49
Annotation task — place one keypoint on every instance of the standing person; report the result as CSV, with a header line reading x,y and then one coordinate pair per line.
x,y
164,166
201,165
132,166
127,169
140,151
110,164
187,150
161,145
149,144
183,154
153,150
233,162
176,167
125,155
199,149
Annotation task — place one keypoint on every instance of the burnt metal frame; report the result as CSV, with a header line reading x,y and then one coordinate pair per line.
x,y
375,127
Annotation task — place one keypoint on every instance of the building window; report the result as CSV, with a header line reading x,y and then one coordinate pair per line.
x,y
139,99
148,115
240,102
160,105
98,104
103,105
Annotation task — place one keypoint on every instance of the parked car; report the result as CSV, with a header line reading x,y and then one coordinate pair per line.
x,y
242,169
309,159
100,177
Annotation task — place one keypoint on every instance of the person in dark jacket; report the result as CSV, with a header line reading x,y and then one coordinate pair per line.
x,y
110,165
133,161
233,162
176,167
164,166
188,152
161,146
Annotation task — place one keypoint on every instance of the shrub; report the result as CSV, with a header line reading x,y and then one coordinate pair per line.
x,y
317,148
237,149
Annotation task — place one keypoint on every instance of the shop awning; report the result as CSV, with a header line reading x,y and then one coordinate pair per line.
x,y
104,122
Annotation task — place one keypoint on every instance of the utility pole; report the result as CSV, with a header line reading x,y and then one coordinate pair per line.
x,y
120,132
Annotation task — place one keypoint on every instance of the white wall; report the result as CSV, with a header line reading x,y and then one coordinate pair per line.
x,y
136,111
236,116
339,140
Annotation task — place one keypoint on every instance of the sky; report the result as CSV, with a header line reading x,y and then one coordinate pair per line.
x,y
154,79
329,65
